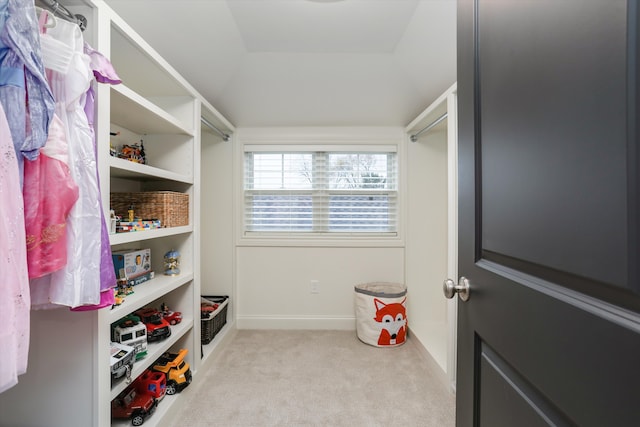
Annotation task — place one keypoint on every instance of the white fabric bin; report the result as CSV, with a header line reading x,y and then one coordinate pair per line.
x,y
381,316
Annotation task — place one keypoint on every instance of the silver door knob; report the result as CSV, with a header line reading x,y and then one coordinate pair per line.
x,y
449,288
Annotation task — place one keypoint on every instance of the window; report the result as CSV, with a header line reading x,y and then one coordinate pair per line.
x,y
320,191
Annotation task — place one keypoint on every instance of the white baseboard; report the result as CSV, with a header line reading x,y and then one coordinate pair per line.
x,y
296,322
441,374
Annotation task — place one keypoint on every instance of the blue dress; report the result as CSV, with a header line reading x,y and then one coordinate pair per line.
x,y
24,91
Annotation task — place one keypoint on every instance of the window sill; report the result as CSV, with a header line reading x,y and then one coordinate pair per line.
x,y
373,240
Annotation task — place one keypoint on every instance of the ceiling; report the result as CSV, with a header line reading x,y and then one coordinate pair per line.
x,y
305,62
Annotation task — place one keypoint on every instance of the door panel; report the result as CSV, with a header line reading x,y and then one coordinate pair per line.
x,y
537,193
548,213
514,398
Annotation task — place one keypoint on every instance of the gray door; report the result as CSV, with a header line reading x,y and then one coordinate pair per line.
x,y
549,213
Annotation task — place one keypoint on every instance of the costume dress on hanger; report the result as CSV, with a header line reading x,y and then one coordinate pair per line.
x,y
78,283
49,194
103,72
22,77
14,281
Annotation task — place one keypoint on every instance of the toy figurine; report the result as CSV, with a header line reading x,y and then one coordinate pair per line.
x,y
131,213
172,263
118,299
143,155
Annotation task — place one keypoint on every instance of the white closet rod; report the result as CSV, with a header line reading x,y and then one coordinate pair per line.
x,y
64,13
207,123
414,137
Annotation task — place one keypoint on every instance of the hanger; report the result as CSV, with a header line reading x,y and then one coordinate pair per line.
x,y
50,22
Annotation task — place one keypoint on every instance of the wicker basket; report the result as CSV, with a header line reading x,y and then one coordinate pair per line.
x,y
170,207
212,324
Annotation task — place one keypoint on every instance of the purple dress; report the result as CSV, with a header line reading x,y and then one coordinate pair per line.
x,y
104,73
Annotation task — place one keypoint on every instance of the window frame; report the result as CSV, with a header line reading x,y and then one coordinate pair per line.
x,y
320,140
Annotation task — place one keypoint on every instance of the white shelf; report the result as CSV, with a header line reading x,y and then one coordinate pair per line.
x,y
121,168
137,236
154,351
139,115
147,292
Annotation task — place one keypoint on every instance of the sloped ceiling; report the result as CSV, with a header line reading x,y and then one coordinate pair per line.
x,y
305,62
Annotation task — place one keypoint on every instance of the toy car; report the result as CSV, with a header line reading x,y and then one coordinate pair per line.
x,y
173,317
157,327
133,405
122,358
207,307
151,382
176,370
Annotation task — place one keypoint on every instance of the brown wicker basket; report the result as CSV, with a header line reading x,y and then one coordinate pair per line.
x,y
170,207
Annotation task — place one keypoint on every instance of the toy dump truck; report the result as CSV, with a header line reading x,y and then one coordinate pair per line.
x,y
176,370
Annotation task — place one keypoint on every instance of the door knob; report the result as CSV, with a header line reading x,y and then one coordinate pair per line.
x,y
449,288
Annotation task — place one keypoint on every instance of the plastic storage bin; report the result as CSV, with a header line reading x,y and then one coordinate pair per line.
x,y
381,315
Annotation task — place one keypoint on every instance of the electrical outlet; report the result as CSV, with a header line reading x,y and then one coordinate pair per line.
x,y
314,289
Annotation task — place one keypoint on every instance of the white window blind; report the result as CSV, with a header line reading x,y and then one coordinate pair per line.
x,y
320,191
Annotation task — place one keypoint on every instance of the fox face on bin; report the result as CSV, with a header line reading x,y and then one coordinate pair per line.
x,y
393,320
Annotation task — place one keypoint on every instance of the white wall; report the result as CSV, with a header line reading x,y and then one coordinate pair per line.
x,y
431,243
217,217
273,276
427,247
274,284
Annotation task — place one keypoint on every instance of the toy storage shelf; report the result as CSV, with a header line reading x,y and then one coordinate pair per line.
x,y
163,410
154,351
121,168
139,115
147,292
155,106
137,236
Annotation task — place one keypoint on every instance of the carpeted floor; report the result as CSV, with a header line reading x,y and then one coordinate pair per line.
x,y
316,378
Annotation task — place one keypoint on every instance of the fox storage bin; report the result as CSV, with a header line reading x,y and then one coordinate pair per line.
x,y
381,316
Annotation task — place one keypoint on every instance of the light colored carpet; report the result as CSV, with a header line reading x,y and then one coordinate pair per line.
x,y
316,378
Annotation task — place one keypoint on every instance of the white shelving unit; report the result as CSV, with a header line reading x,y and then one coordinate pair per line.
x,y
68,381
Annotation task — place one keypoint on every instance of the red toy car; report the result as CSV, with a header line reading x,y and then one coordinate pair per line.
x,y
207,307
173,317
157,327
133,405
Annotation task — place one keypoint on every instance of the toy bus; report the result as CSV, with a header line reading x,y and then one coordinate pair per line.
x,y
131,331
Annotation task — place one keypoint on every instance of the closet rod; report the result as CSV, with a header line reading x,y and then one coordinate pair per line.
x,y
414,137
207,123
59,10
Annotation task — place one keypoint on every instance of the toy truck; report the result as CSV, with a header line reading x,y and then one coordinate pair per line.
x,y
151,382
130,331
157,327
176,370
133,405
122,357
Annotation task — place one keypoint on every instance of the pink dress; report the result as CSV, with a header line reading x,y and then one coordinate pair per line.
x,y
49,194
14,281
